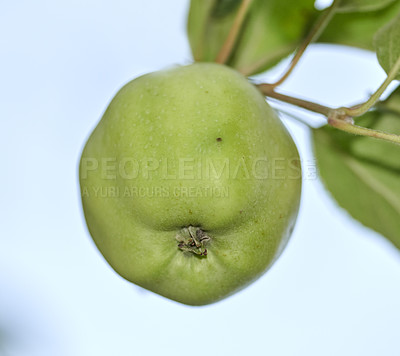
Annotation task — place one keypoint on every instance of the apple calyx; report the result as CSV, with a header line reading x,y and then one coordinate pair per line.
x,y
193,239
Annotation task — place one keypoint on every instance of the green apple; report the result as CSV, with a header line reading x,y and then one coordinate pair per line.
x,y
190,183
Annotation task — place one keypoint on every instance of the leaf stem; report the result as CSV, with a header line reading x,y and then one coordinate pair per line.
x,y
268,90
363,108
337,118
349,127
315,32
230,41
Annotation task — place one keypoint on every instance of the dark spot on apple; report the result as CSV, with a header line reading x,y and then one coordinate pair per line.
x,y
206,91
219,139
190,211
241,211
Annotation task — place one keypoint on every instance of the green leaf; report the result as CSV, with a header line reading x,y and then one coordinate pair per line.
x,y
362,5
363,174
272,30
358,29
222,8
387,44
206,32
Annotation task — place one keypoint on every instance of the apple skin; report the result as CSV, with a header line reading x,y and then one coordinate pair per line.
x,y
179,118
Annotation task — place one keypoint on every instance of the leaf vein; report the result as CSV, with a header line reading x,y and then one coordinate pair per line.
x,y
374,184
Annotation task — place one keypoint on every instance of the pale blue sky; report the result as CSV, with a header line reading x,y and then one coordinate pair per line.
x,y
335,289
